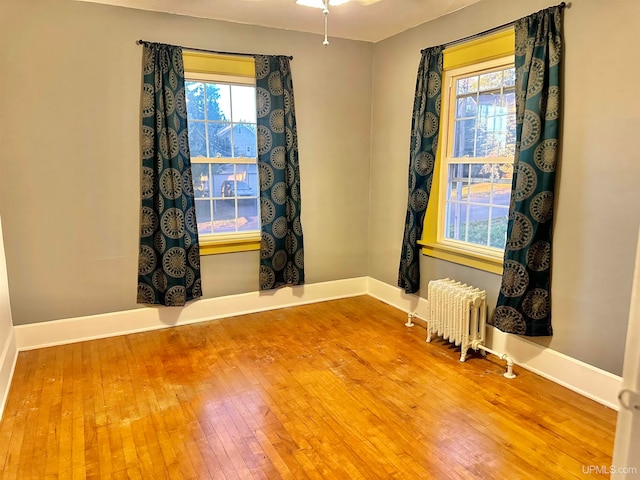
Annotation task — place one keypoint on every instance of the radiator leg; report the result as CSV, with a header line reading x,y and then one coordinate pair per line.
x,y
509,373
502,356
409,320
428,335
463,355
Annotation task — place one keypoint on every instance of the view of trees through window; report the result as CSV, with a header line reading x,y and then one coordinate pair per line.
x,y
223,145
480,165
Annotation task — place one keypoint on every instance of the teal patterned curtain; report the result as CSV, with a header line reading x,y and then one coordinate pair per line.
x,y
424,143
282,252
169,258
524,302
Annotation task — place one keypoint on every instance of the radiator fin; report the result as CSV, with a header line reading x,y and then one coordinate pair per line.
x,y
458,313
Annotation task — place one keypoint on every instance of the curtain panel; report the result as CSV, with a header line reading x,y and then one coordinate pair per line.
x,y
524,302
425,127
282,250
169,257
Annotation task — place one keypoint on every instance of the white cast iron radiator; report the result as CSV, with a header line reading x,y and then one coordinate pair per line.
x,y
458,313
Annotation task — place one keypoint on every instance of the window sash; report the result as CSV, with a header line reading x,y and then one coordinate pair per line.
x,y
238,160
465,206
231,70
239,240
450,100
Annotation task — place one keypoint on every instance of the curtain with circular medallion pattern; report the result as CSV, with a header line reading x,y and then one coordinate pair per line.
x,y
282,250
524,301
169,256
425,126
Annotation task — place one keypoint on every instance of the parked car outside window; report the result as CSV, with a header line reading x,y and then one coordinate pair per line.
x,y
243,190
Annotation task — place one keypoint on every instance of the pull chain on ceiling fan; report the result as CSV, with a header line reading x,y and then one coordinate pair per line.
x,y
325,12
324,5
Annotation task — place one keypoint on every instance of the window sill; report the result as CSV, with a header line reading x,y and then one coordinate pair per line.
x,y
215,247
462,257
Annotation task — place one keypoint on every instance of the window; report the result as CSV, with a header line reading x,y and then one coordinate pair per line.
x,y
466,219
478,159
221,112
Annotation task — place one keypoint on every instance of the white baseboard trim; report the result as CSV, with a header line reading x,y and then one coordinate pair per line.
x,y
585,379
71,330
396,297
592,382
8,359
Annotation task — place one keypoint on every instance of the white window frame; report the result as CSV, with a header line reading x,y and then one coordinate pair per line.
x,y
447,158
225,242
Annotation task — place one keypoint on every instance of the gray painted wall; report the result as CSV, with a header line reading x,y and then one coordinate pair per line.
x,y
69,127
69,192
598,196
5,309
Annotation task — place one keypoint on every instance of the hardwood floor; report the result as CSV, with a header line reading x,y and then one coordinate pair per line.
x,y
334,390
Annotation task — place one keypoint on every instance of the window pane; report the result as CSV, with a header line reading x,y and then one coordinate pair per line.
x,y
197,139
224,216
490,104
499,219
244,104
246,179
480,187
251,177
509,101
219,139
456,226
244,190
459,171
466,107
478,225
203,215
223,179
218,102
467,85
201,185
244,140
194,91
492,126
509,77
464,138
491,80
248,218
502,185
458,189
480,192
502,193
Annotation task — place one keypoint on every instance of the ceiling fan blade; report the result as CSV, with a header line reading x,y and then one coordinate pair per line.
x,y
367,2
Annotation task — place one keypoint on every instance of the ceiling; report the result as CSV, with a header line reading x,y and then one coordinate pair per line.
x,y
352,20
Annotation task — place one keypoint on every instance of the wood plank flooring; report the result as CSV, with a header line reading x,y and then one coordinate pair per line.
x,y
334,390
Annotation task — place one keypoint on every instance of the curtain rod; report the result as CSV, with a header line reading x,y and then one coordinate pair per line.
x,y
491,30
143,42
